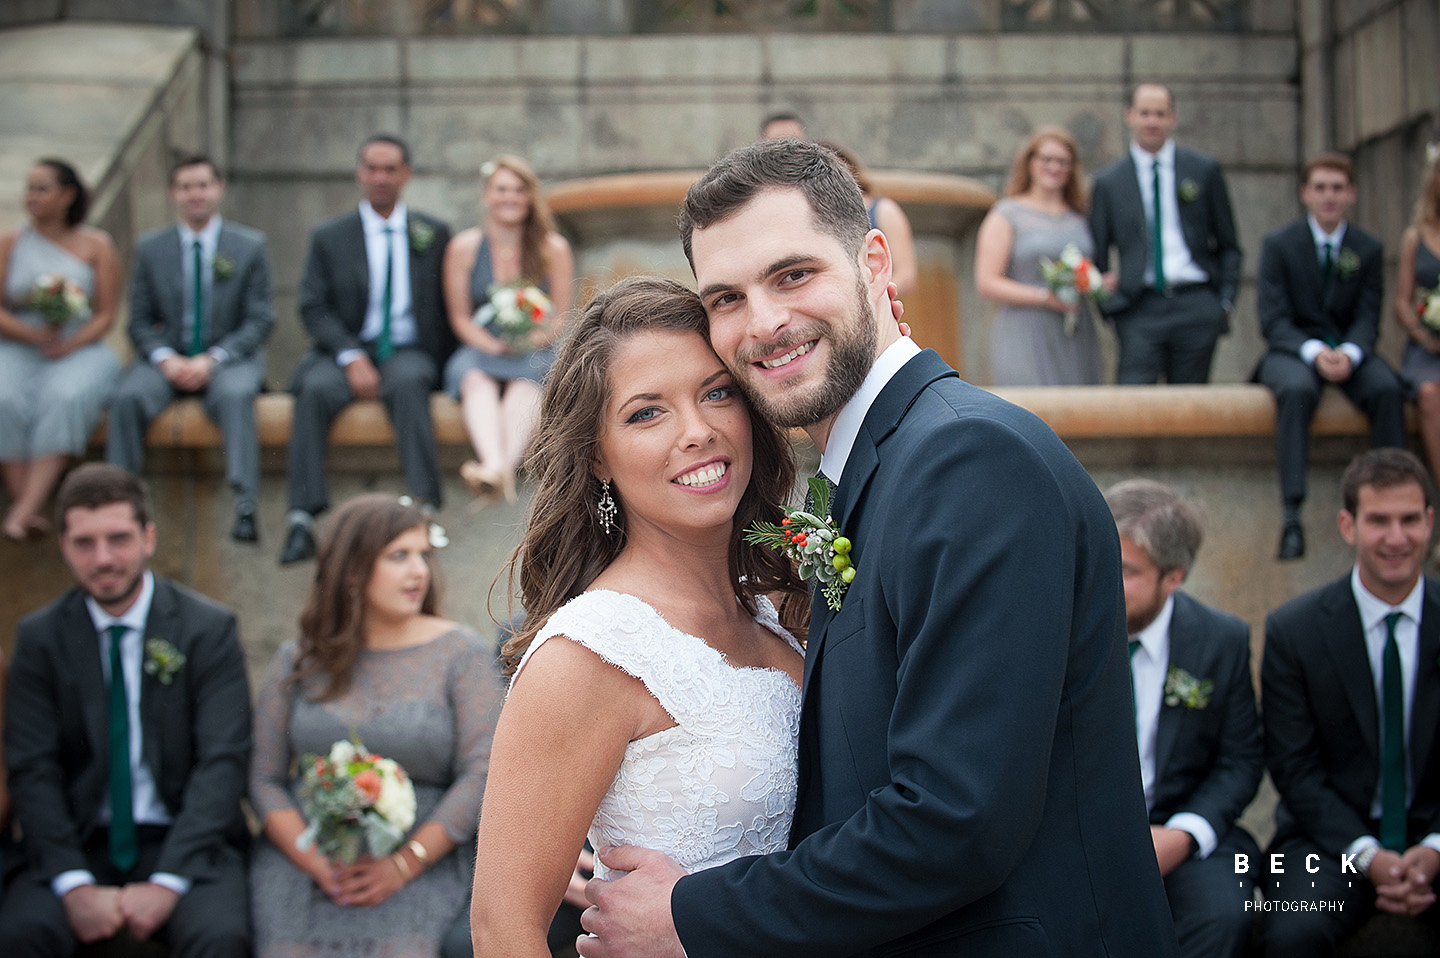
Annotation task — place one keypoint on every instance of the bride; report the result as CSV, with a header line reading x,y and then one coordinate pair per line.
x,y
655,698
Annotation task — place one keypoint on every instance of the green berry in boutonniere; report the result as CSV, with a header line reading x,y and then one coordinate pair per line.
x,y
1347,264
422,235
1189,190
163,660
223,266
1182,688
815,544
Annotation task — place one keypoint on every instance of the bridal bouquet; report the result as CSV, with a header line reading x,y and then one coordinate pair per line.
x,y
355,802
1070,278
1427,307
515,311
58,299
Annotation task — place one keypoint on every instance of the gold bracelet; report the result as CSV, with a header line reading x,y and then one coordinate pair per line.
x,y
402,865
418,850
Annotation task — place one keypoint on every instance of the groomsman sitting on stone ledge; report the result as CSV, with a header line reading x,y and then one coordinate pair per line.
x,y
200,313
1195,721
127,732
1318,294
1350,684
370,298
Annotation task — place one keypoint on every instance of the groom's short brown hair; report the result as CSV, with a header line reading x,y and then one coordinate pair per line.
x,y
738,177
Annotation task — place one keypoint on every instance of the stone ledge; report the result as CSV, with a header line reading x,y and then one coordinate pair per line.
x,y
1243,411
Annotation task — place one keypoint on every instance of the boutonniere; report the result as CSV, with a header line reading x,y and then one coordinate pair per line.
x,y
163,660
422,235
1347,264
1182,688
1189,190
814,543
223,266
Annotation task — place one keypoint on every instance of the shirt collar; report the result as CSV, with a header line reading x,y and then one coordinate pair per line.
x,y
373,222
1322,237
850,418
208,236
133,618
1374,609
1144,159
1155,637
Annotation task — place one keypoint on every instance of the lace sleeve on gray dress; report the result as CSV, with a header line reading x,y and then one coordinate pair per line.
x,y
473,686
270,759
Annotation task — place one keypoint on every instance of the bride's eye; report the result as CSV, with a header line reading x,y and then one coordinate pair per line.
x,y
719,393
644,415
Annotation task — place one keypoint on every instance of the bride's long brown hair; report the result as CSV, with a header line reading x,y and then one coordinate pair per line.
x,y
565,548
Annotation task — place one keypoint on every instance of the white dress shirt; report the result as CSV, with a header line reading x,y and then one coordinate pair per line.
x,y
1314,347
1180,266
146,804
852,416
1373,611
209,237
402,314
1149,667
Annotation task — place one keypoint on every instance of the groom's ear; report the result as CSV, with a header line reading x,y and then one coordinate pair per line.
x,y
875,264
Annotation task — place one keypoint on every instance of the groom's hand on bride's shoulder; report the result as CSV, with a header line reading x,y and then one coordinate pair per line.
x,y
630,916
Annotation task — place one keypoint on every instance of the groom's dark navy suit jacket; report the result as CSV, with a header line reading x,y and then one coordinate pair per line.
x,y
969,783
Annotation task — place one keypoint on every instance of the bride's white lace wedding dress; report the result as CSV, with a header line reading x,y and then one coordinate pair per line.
x,y
718,785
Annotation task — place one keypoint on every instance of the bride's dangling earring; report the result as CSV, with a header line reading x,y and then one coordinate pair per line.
x,y
606,510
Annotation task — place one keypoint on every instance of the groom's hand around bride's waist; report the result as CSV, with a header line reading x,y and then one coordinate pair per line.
x,y
629,917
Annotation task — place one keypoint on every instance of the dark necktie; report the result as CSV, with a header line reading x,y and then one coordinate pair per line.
x,y
1134,647
197,332
1155,228
1392,738
384,348
1327,257
124,848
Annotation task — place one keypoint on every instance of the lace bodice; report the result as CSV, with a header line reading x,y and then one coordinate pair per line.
x,y
719,784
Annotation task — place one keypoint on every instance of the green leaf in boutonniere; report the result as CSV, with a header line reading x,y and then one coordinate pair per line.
x,y
422,235
163,660
1347,264
813,543
223,266
1189,190
1182,688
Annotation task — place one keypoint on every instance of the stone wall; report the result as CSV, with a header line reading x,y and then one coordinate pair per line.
x,y
580,106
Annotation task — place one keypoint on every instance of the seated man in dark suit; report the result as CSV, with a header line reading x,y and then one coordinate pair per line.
x,y
1351,689
200,312
370,298
127,732
1318,295
1195,720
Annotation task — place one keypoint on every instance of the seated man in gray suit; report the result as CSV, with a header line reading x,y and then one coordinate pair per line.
x,y
127,732
200,312
1195,720
370,298
1167,211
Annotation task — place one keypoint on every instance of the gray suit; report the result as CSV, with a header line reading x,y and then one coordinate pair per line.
x,y
239,314
1173,332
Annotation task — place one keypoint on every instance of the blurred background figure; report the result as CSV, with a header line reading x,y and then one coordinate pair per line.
x,y
783,124
887,217
60,282
1037,340
497,379
1416,275
375,660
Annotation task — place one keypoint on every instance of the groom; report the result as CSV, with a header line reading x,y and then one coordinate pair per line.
x,y
968,776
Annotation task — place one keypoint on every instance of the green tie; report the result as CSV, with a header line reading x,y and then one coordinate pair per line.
x,y
197,334
384,349
123,845
1327,263
1155,229
1134,646
1392,760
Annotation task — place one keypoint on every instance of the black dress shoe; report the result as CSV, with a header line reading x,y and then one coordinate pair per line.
x,y
299,545
1292,541
245,528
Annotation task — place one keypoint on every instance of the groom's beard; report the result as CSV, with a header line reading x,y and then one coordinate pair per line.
x,y
852,353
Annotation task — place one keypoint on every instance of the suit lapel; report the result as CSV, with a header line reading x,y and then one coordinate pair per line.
x,y
1183,640
1343,639
161,623
82,650
1425,706
171,270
